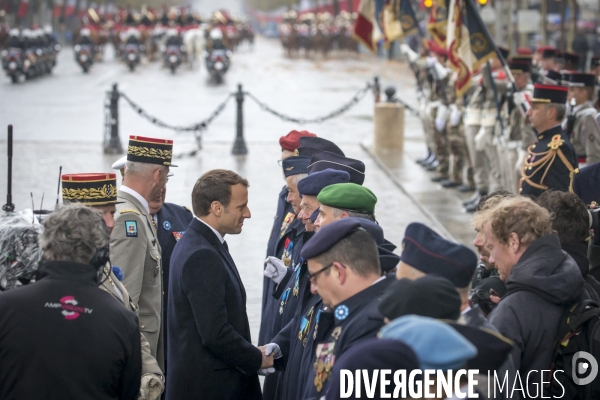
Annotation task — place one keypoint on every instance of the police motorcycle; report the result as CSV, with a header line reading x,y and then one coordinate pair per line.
x,y
34,62
52,46
172,51
217,59
13,56
84,51
133,49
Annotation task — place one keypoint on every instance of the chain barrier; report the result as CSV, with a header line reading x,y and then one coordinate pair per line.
x,y
355,100
192,128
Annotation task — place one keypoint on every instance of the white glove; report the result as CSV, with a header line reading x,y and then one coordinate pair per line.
x,y
441,116
152,387
440,124
409,53
266,371
455,115
275,269
431,61
519,98
483,139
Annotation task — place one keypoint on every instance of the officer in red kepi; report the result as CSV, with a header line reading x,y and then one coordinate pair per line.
x,y
63,337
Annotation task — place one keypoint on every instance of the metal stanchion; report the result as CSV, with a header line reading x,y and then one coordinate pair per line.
x,y
239,147
114,144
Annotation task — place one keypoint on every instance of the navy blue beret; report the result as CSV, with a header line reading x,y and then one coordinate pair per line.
x,y
372,229
314,183
387,260
370,355
430,253
328,236
295,166
310,145
322,160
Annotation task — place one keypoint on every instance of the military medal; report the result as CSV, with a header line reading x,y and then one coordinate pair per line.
x,y
297,280
287,252
325,358
284,299
305,326
286,222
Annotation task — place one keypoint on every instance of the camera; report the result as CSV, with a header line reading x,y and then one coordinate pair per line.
x,y
481,297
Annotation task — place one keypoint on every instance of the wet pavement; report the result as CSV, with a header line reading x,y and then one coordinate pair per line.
x,y
59,121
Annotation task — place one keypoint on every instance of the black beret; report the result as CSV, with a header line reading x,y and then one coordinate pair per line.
x,y
430,253
322,160
429,296
387,259
370,355
372,229
492,348
388,245
328,236
317,181
295,166
581,79
310,145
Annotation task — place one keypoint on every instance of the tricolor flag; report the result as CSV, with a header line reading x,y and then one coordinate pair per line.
x,y
469,42
438,22
365,26
70,7
23,7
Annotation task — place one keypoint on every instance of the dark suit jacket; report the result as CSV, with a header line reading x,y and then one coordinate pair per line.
x,y
210,355
585,184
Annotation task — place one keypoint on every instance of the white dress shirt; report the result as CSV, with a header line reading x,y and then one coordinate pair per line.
x,y
213,229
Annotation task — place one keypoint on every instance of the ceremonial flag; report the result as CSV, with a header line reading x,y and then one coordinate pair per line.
x,y
438,22
408,18
365,25
57,10
482,44
23,7
70,7
391,21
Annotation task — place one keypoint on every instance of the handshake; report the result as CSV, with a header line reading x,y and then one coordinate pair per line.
x,y
270,352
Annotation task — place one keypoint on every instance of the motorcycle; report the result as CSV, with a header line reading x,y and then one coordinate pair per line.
x,y
12,63
132,56
217,63
84,56
172,57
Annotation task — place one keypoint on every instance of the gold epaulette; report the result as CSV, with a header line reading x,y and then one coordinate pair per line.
x,y
129,210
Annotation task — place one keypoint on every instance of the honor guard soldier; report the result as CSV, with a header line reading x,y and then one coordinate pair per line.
x,y
99,191
551,162
343,268
134,243
581,124
547,60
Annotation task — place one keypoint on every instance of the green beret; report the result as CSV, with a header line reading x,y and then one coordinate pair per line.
x,y
349,197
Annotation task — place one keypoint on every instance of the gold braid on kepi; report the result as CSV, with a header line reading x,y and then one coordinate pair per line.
x,y
96,189
545,161
150,150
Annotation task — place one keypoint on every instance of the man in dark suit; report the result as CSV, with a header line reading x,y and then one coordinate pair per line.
x,y
210,354
585,184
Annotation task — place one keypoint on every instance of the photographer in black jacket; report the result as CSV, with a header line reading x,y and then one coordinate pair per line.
x,y
63,337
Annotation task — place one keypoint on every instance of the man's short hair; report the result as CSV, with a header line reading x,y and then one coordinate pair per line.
x,y
487,202
521,216
569,215
356,251
73,233
137,168
214,186
561,110
337,211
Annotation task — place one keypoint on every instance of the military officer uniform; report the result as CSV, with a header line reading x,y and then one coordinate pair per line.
x,y
551,162
100,189
581,124
135,248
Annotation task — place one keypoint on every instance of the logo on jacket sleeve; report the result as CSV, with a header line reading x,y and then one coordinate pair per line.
x,y
131,229
70,307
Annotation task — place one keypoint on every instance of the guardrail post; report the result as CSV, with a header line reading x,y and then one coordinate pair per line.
x,y
376,89
114,143
239,146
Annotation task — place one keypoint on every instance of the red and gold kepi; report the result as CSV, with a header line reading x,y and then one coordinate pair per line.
x,y
150,150
549,94
95,189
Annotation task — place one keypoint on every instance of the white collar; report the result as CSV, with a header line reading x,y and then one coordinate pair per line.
x,y
466,310
137,196
378,280
213,229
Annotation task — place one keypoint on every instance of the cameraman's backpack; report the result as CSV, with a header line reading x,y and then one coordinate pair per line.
x,y
578,330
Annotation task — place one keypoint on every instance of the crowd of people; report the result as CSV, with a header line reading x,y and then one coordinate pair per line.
x,y
119,294
478,141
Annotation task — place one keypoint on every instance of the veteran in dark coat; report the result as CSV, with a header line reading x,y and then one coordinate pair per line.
x,y
210,352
